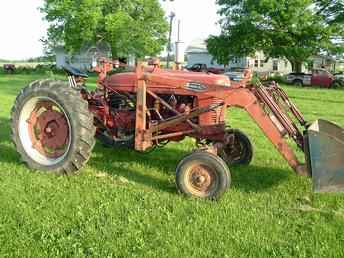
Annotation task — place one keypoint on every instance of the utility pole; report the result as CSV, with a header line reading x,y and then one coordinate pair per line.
x,y
179,50
169,47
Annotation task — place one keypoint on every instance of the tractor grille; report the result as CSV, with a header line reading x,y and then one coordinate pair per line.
x,y
212,117
216,114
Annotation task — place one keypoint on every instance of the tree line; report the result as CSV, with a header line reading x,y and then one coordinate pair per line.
x,y
291,29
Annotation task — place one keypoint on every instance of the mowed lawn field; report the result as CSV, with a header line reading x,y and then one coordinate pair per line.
x,y
125,204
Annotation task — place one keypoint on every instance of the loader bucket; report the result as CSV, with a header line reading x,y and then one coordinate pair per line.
x,y
325,156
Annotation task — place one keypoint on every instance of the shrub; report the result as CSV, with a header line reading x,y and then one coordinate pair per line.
x,y
277,78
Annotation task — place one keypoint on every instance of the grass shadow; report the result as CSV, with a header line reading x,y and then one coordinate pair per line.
x,y
137,167
8,153
257,179
244,178
149,169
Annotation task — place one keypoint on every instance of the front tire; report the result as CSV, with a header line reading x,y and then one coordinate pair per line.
x,y
238,149
298,83
337,84
52,128
203,175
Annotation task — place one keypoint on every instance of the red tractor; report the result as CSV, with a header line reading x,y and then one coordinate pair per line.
x,y
54,124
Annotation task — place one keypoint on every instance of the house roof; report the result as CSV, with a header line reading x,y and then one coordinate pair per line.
x,y
101,47
197,46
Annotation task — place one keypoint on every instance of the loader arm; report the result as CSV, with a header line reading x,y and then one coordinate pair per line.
x,y
322,142
247,99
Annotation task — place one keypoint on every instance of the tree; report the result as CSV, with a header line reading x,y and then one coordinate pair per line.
x,y
332,10
292,29
129,26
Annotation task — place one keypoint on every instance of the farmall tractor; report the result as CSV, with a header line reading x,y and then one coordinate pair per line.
x,y
55,124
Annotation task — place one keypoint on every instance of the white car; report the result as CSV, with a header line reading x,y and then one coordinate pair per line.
x,y
339,76
236,74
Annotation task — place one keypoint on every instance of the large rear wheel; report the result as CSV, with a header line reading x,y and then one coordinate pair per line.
x,y
52,127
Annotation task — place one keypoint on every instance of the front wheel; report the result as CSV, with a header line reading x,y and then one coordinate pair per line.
x,y
337,84
203,175
298,83
52,127
238,149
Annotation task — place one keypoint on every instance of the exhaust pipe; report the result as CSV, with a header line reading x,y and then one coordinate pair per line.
x,y
324,149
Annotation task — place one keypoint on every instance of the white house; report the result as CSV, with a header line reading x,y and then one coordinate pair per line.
x,y
260,64
197,52
329,63
83,60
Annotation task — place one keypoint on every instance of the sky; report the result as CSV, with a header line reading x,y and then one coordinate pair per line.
x,y
22,25
21,28
198,18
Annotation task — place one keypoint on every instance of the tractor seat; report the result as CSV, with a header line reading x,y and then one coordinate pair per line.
x,y
72,71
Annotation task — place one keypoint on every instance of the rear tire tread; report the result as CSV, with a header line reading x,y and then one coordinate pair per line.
x,y
77,110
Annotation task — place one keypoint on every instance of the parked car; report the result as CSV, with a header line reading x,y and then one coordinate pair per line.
x,y
339,76
9,68
236,74
319,77
203,68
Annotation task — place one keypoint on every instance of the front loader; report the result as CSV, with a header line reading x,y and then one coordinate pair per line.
x,y
54,124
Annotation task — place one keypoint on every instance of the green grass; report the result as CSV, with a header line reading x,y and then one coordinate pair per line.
x,y
125,204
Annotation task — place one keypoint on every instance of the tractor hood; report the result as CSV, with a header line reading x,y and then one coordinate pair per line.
x,y
129,79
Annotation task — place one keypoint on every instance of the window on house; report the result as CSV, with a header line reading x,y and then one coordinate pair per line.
x,y
250,63
262,63
286,64
275,65
256,63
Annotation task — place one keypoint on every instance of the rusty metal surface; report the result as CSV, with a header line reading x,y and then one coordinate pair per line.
x,y
268,105
194,126
141,142
244,98
49,130
326,156
202,179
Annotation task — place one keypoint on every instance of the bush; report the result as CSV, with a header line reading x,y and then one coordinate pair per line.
x,y
38,69
277,78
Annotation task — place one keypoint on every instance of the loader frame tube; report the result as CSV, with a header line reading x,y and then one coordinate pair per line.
x,y
243,98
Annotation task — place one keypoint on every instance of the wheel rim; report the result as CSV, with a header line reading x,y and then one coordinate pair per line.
x,y
44,131
202,180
